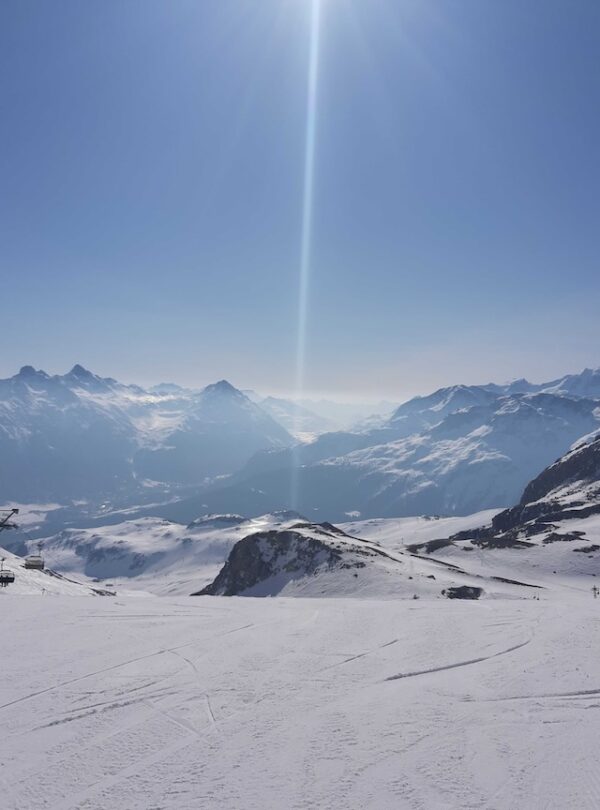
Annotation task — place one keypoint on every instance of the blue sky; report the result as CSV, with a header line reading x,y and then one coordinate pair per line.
x,y
151,165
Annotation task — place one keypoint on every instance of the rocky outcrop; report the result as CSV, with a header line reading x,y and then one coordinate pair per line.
x,y
264,555
567,489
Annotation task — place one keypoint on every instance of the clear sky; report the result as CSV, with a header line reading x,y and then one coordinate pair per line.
x,y
151,180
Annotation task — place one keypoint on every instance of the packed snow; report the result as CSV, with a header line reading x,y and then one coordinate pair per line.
x,y
299,703
553,558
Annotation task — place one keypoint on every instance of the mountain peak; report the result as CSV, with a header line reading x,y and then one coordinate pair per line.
x,y
29,372
222,387
80,372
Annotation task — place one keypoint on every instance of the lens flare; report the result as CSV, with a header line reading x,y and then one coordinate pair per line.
x,y
307,226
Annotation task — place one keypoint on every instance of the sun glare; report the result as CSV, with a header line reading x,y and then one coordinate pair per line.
x,y
307,217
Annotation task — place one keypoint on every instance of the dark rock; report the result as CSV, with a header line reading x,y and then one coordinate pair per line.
x,y
259,556
462,592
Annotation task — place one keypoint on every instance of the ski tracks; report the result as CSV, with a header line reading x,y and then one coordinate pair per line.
x,y
198,678
458,664
359,655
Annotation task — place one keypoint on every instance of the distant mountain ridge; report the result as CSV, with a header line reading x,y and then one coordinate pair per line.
x,y
79,435
457,451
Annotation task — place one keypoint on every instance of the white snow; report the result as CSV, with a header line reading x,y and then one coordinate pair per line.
x,y
181,704
41,583
395,533
561,566
151,554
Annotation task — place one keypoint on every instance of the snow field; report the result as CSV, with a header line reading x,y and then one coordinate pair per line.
x,y
299,703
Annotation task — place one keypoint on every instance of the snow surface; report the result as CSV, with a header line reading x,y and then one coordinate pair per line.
x,y
560,565
42,583
266,704
157,556
396,533
337,565
154,555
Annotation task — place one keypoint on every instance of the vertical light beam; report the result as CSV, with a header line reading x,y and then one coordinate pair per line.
x,y
307,224
308,190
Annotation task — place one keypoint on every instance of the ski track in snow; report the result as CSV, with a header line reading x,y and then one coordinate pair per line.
x,y
360,655
457,664
234,709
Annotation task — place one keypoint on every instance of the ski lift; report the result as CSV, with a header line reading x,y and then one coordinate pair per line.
x,y
6,577
5,516
35,562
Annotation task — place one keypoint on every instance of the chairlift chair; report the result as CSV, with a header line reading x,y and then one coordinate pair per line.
x,y
35,562
6,577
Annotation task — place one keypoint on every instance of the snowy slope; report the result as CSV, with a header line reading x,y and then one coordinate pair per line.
x,y
47,582
151,554
398,533
156,556
550,557
551,538
260,704
308,560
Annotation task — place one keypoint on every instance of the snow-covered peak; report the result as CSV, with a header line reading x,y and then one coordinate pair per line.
x,y
584,384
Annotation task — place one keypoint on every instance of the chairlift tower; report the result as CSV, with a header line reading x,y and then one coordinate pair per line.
x,y
6,577
5,517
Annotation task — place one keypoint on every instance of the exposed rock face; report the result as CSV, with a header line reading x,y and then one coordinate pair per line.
x,y
581,464
263,555
318,559
567,489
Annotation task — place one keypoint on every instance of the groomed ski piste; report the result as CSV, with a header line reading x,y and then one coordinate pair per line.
x,y
206,702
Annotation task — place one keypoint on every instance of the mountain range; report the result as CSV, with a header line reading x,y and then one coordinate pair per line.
x,y
176,453
82,436
457,451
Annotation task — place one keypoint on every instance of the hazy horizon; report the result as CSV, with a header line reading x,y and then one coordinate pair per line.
x,y
374,397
